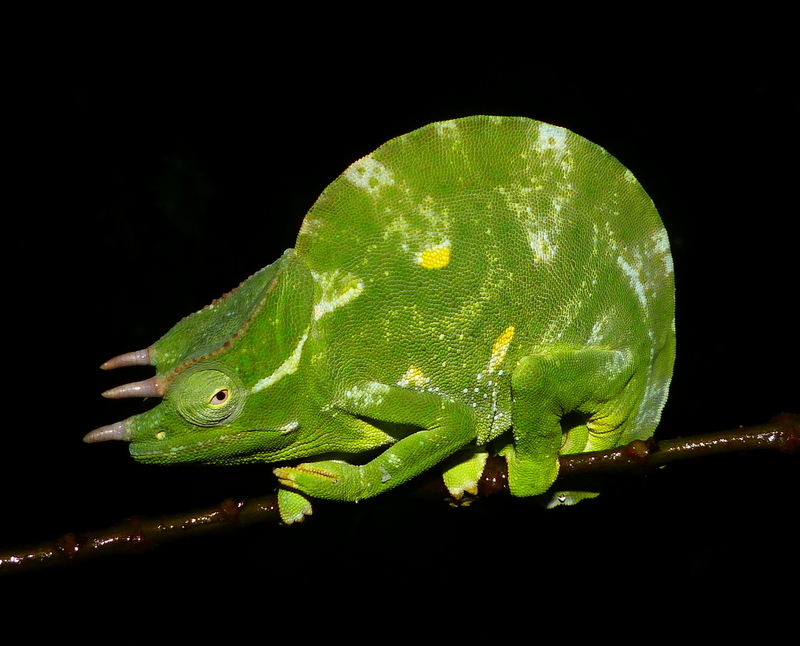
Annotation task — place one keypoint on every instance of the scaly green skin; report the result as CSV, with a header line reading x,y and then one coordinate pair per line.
x,y
483,284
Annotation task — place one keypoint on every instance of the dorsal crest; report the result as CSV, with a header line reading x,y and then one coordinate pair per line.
x,y
214,329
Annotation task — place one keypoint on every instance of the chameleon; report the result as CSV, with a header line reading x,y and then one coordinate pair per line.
x,y
484,285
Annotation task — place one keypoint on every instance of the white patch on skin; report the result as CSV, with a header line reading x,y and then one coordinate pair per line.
x,y
628,177
427,242
336,291
401,227
541,229
447,129
288,367
369,175
558,202
563,316
291,426
369,395
309,226
661,242
551,138
544,250
413,378
620,360
596,336
637,267
635,280
437,217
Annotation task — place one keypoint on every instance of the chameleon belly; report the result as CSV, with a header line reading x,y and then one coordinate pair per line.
x,y
487,283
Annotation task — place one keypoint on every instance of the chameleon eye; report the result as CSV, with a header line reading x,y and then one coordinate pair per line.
x,y
220,397
207,397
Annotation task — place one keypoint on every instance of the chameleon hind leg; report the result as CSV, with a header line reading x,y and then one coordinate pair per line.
x,y
565,402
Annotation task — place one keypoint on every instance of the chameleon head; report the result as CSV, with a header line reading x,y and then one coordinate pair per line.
x,y
212,384
198,420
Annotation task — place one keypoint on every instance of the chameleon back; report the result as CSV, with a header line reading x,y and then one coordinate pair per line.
x,y
465,245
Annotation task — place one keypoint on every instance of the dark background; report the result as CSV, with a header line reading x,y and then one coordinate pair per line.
x,y
148,185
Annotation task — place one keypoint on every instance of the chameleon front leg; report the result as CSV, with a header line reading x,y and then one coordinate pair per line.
x,y
565,402
446,426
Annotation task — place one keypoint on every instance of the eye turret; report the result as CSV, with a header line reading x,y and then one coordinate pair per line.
x,y
206,397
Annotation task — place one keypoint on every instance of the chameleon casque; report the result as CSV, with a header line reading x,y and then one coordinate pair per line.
x,y
482,285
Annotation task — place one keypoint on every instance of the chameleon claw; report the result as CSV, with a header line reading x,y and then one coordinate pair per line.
x,y
305,473
294,507
311,469
285,476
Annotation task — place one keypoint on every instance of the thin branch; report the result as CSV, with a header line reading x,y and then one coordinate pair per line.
x,y
781,433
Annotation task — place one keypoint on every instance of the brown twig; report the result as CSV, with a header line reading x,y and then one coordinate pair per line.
x,y
781,433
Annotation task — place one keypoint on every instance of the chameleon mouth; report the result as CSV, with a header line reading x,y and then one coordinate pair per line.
x,y
160,445
177,449
211,447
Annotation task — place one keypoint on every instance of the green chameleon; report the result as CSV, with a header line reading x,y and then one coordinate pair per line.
x,y
482,285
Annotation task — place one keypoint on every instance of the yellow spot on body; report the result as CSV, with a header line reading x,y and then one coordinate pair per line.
x,y
435,257
413,377
500,348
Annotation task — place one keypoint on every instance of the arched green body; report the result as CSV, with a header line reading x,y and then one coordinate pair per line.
x,y
487,283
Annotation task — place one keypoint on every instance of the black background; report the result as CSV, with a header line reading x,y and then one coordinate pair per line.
x,y
148,185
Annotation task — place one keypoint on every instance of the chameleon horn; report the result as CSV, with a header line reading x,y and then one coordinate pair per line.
x,y
147,388
136,358
118,431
